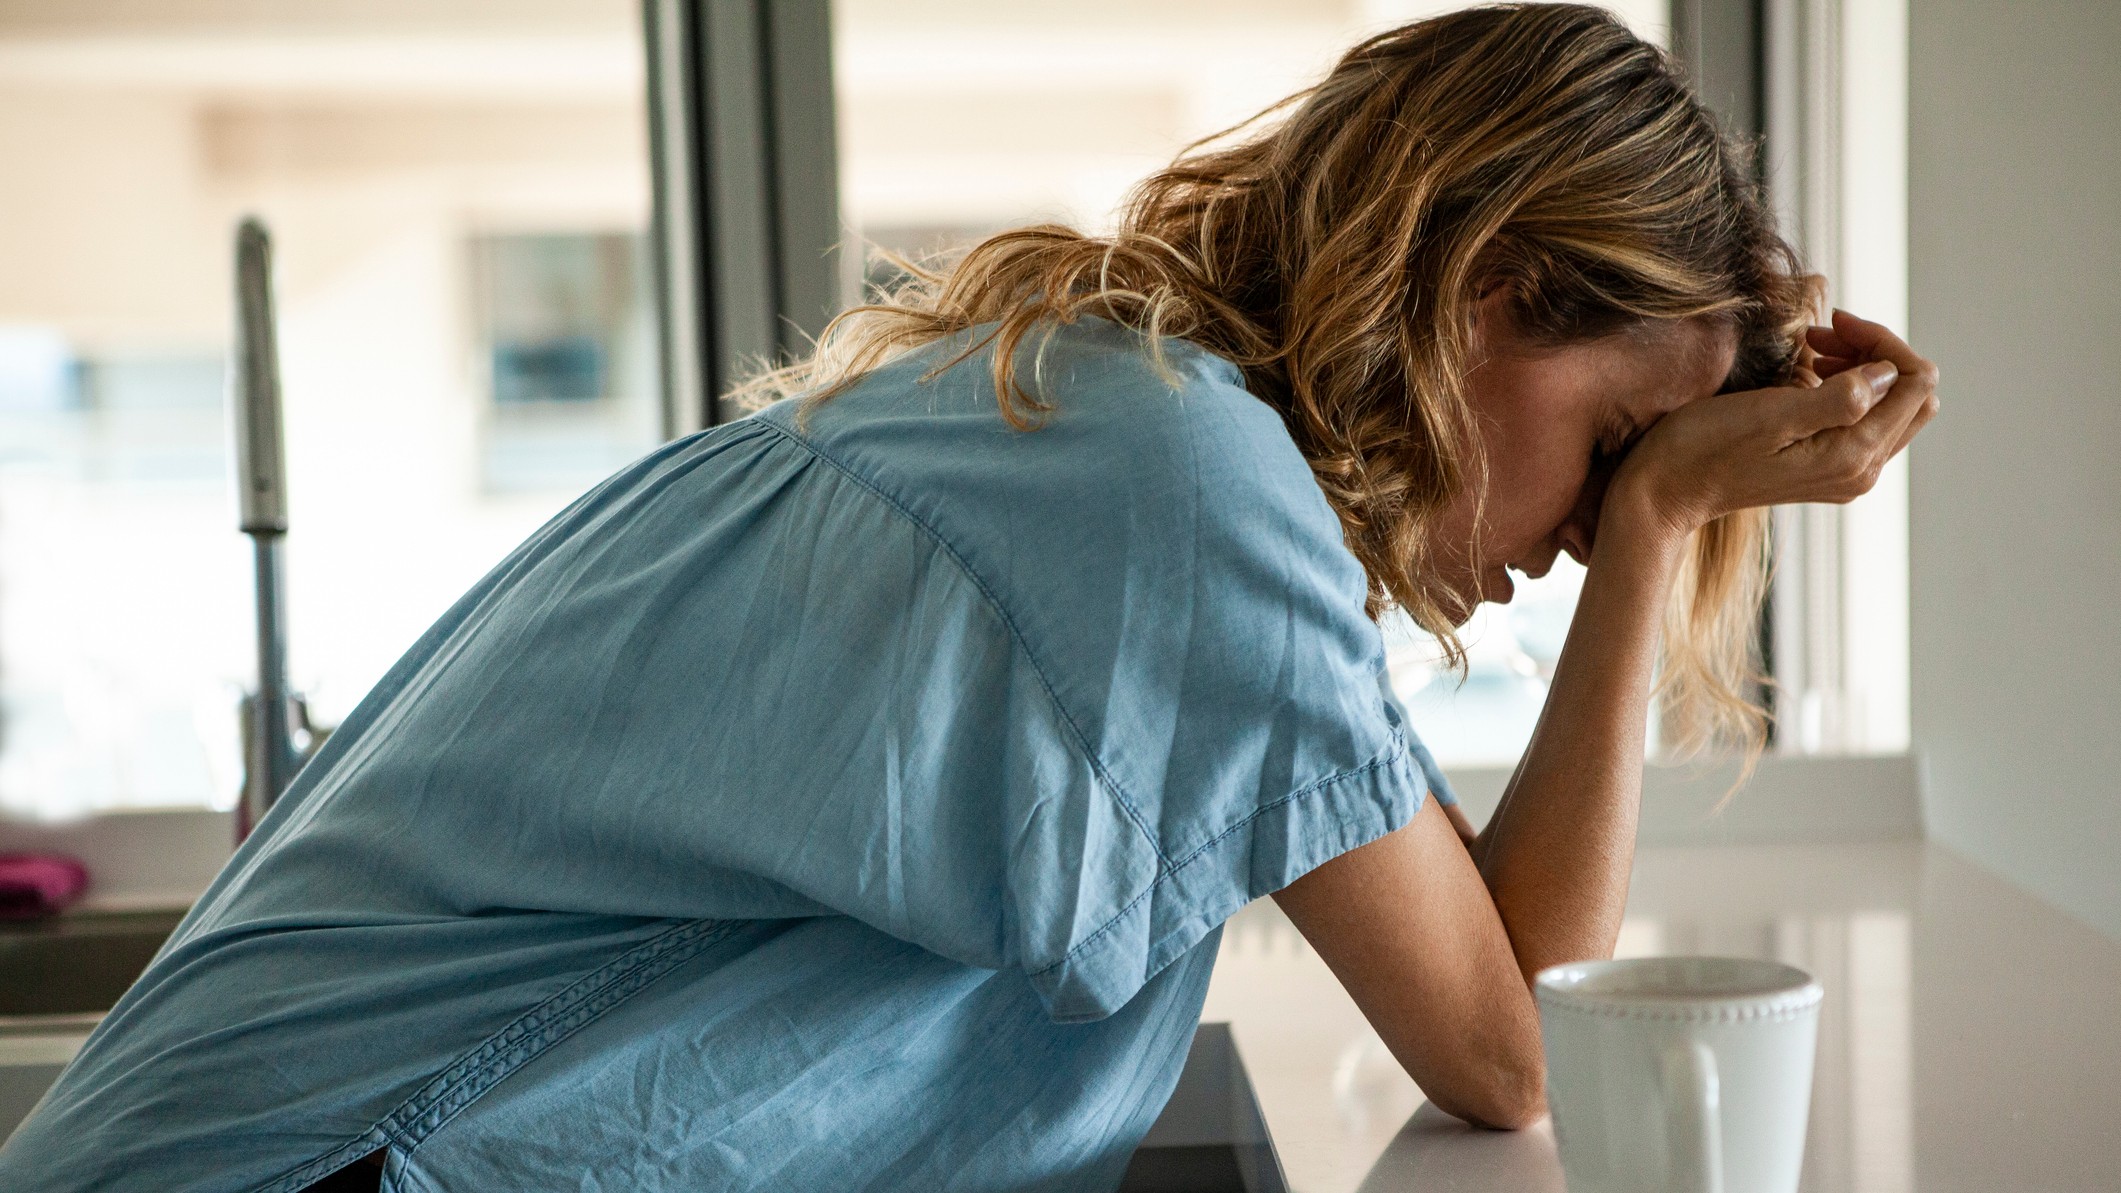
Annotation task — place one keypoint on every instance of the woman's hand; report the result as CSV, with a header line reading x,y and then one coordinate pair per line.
x,y
1862,395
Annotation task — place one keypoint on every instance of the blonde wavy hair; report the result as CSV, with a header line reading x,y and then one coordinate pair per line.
x,y
1333,247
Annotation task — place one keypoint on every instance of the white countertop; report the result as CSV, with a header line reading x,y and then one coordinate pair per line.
x,y
1971,1037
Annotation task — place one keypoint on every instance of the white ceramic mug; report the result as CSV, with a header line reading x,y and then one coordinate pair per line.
x,y
1679,1074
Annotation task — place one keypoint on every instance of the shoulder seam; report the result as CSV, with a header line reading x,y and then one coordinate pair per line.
x,y
1016,636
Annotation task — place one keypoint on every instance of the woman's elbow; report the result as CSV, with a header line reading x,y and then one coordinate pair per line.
x,y
1514,1115
1504,1094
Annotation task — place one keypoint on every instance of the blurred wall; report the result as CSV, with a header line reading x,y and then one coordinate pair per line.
x,y
2014,256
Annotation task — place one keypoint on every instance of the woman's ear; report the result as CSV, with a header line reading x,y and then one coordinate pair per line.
x,y
1492,298
1493,318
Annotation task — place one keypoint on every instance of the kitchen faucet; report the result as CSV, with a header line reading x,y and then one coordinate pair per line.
x,y
272,713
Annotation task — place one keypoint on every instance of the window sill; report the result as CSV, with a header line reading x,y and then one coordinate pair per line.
x,y
148,860
1791,800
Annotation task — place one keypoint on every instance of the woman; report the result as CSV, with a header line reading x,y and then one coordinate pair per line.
x,y
850,797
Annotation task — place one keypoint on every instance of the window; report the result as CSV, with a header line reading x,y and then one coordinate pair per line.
x,y
566,337
958,119
458,192
1836,124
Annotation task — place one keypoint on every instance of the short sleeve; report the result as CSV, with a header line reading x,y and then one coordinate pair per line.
x,y
1432,774
1177,587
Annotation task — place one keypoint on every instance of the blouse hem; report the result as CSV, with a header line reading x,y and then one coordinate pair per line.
x,y
1261,854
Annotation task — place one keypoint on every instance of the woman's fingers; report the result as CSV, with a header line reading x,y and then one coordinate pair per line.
x,y
1925,410
1854,339
1832,352
1840,401
1846,461
1875,341
1894,420
1828,342
1911,403
1828,366
1851,340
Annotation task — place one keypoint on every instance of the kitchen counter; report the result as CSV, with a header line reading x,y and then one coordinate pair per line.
x,y
1970,1039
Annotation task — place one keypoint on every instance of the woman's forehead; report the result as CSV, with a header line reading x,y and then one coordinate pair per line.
x,y
1678,361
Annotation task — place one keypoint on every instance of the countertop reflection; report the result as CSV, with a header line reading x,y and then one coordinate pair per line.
x,y
1971,1037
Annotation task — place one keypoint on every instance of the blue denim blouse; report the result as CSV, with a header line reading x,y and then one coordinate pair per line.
x,y
846,801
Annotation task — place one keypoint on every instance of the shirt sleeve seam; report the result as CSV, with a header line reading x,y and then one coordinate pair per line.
x,y
1169,871
1016,636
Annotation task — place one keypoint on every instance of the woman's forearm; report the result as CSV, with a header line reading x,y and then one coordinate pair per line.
x,y
1557,852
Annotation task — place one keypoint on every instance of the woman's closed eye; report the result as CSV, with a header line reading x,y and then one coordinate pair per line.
x,y
1614,441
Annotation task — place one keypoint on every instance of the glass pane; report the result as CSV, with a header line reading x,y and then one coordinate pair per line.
x,y
960,118
458,193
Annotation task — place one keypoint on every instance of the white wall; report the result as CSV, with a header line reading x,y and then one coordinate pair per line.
x,y
2015,252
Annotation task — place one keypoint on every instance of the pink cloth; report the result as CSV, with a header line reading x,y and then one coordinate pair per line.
x,y
33,885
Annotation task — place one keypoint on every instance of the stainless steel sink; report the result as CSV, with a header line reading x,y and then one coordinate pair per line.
x,y
1211,1137
78,964
57,978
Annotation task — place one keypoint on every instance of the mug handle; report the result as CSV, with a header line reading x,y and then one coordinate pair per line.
x,y
1694,1123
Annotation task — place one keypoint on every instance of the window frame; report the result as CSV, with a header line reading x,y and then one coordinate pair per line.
x,y
745,162
1784,75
